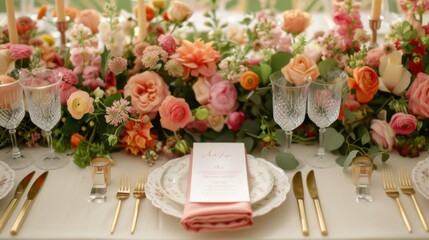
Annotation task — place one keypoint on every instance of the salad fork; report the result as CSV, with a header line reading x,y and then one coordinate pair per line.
x,y
407,188
139,193
122,194
389,186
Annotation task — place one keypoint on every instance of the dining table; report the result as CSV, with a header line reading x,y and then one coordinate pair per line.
x,y
62,211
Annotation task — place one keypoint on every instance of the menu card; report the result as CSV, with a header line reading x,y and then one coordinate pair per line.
x,y
219,173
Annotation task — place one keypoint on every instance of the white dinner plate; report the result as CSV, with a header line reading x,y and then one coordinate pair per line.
x,y
174,180
159,199
420,177
7,179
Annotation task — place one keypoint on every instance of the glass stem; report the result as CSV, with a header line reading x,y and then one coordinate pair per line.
x,y
15,150
321,150
49,139
288,141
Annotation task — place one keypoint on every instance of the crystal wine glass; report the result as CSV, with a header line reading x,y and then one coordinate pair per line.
x,y
11,114
324,102
289,104
42,92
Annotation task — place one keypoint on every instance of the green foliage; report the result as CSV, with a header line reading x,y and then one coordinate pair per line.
x,y
86,151
286,161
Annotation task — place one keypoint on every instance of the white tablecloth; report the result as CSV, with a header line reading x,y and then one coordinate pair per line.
x,y
61,210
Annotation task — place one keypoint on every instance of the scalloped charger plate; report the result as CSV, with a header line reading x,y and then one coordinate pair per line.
x,y
420,175
7,179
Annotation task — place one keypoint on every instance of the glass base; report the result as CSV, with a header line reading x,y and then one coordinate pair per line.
x,y
363,194
51,162
18,163
317,161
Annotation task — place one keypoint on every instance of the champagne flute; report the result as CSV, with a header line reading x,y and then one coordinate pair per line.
x,y
42,92
289,104
11,114
324,102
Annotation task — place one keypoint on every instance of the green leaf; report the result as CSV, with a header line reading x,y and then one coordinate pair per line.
x,y
265,73
280,60
281,137
286,161
385,156
250,126
349,114
340,160
349,159
364,135
333,139
326,65
248,143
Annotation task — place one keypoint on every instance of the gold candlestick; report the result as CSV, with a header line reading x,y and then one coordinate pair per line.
x,y
374,25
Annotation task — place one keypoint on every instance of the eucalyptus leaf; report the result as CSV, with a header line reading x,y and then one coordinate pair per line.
x,y
349,159
286,161
280,60
384,156
340,160
265,73
333,139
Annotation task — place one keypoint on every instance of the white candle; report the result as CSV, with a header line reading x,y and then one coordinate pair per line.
x,y
11,22
142,20
61,14
376,9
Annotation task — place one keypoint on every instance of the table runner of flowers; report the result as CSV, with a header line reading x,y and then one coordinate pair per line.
x,y
182,84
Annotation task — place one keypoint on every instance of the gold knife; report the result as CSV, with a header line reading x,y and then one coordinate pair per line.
x,y
35,188
312,189
14,201
298,190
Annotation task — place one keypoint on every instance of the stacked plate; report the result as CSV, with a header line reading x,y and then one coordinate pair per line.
x,y
167,185
7,179
420,177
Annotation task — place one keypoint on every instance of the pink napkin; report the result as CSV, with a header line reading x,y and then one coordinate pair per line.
x,y
215,216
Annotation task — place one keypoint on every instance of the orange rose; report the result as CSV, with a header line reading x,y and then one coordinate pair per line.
x,y
295,21
150,12
366,82
249,80
179,11
299,68
75,140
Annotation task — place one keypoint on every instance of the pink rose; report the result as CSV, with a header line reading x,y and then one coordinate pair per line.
x,y
147,90
418,96
382,134
20,51
167,42
90,18
299,68
235,120
373,57
223,98
79,103
403,123
175,113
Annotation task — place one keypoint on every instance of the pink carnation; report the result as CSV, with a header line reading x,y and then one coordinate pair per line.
x,y
20,51
403,123
418,96
68,75
147,90
175,113
66,90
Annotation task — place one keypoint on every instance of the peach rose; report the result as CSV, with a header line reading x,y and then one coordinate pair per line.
x,y
7,63
179,11
366,82
79,103
299,68
295,21
394,77
90,18
382,134
418,97
202,91
175,113
403,123
147,90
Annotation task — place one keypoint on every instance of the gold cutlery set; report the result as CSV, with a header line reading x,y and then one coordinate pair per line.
x,y
389,186
298,190
124,193
20,189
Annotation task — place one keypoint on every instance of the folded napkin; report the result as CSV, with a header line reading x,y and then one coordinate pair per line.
x,y
215,216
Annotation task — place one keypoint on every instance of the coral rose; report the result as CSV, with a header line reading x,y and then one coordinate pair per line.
x,y
418,96
249,80
137,138
147,91
403,123
295,21
175,113
90,18
366,82
394,77
79,103
178,11
382,134
198,58
223,98
299,68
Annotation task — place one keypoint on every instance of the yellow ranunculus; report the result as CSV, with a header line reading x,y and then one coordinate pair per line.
x,y
394,77
79,103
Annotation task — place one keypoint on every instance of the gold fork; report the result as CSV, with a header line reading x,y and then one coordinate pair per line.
x,y
407,188
138,194
122,194
389,186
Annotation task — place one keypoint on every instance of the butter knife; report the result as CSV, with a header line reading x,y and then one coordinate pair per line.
x,y
32,193
298,190
14,201
312,189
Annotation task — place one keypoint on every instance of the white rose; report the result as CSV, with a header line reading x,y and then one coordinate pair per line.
x,y
394,77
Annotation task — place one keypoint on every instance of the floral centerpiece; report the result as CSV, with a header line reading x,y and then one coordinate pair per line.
x,y
181,84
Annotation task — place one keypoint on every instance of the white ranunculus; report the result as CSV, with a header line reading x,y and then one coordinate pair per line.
x,y
394,77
